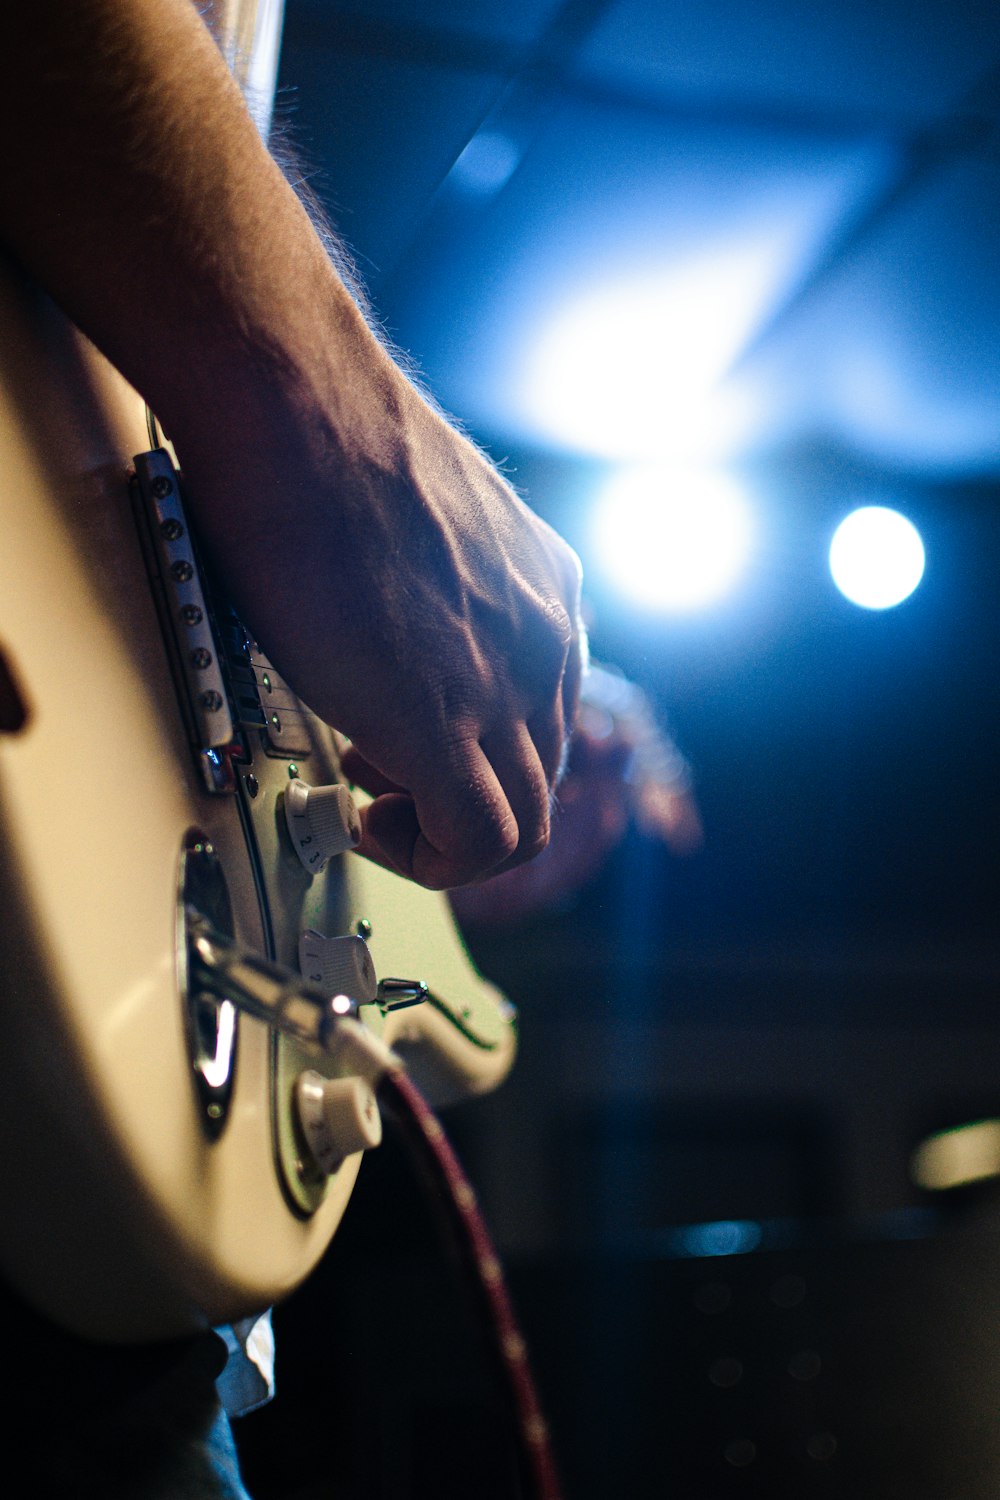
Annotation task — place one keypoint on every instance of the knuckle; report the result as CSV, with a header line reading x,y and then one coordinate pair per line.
x,y
560,623
500,840
488,834
531,847
534,824
573,573
551,641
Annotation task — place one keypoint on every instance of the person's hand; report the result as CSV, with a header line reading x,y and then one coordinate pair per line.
x,y
464,688
392,576
417,605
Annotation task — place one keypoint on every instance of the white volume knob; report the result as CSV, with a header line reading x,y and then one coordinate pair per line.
x,y
338,1116
322,821
338,965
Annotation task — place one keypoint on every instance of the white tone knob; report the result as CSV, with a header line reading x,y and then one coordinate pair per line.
x,y
322,821
338,965
338,1116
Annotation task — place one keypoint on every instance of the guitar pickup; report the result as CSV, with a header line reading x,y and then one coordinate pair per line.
x,y
261,697
284,717
182,599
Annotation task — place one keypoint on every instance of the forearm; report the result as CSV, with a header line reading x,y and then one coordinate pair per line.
x,y
138,192
390,572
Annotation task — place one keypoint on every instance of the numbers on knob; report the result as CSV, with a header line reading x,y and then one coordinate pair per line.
x,y
337,1117
338,965
322,822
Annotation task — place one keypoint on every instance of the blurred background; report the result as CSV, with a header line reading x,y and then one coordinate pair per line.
x,y
738,262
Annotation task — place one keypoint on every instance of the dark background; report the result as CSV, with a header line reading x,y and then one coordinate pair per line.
x,y
762,1032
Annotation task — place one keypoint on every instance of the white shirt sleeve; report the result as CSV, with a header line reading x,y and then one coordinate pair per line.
x,y
248,1378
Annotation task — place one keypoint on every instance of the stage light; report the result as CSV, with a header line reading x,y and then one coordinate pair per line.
x,y
671,540
724,1237
953,1158
876,557
633,368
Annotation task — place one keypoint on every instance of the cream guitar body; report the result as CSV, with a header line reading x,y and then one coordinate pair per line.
x,y
153,1179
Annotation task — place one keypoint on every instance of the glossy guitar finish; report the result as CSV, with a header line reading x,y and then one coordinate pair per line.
x,y
126,1212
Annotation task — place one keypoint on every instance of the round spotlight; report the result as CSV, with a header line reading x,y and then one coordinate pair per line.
x,y
876,557
671,541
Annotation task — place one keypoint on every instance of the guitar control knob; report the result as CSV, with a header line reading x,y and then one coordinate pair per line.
x,y
322,821
337,1116
338,965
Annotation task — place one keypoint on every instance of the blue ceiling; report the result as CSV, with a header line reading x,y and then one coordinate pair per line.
x,y
786,217
839,162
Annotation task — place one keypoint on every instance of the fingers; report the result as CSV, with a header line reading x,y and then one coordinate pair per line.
x,y
389,832
357,769
573,674
548,735
486,808
561,677
454,823
521,770
482,805
559,658
460,828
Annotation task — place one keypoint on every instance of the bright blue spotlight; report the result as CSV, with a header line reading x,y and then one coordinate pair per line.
x,y
876,557
671,540
637,364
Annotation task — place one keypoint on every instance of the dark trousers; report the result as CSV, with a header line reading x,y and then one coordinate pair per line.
x,y
142,1423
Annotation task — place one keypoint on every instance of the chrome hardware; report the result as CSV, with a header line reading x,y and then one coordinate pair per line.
x,y
182,600
225,969
399,994
344,965
210,1019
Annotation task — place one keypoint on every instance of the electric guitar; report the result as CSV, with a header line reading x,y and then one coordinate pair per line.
x,y
159,1170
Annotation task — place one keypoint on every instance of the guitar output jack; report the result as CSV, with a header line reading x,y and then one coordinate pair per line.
x,y
211,1022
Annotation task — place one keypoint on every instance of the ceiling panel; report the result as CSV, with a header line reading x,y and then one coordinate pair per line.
x,y
515,23
777,144
897,352
908,60
381,132
686,221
